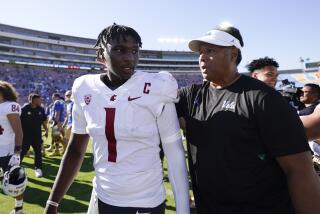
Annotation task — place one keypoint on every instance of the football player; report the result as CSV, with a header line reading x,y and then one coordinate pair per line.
x,y
10,134
56,119
67,124
127,113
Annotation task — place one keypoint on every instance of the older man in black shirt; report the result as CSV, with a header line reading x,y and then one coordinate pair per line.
x,y
32,118
248,150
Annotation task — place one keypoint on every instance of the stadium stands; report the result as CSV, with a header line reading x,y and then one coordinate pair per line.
x,y
35,61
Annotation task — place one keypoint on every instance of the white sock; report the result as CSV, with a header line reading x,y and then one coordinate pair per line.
x,y
19,203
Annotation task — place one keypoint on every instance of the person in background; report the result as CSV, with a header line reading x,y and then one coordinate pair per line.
x,y
67,125
56,120
264,69
33,117
310,98
11,134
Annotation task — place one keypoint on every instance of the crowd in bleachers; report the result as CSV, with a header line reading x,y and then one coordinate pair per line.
x,y
45,81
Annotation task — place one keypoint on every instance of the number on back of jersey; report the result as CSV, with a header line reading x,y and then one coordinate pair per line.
x,y
15,108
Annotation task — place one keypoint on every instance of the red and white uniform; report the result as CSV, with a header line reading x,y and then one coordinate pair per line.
x,y
7,135
123,124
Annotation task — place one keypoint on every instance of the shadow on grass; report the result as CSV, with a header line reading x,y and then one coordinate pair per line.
x,y
51,165
87,165
49,170
39,197
78,190
40,182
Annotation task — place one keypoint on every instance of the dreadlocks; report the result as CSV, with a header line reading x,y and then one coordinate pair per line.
x,y
261,63
114,32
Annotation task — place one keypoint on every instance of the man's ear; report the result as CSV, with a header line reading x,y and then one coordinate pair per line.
x,y
100,56
254,74
234,54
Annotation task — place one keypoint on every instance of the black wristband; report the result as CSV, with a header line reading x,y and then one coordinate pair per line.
x,y
17,148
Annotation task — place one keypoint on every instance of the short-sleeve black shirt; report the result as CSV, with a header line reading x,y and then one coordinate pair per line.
x,y
234,135
31,120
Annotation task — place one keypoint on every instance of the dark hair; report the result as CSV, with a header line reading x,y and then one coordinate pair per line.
x,y
8,92
56,95
33,96
261,63
113,32
235,33
314,88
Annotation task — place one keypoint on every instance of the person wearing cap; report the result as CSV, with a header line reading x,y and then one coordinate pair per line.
x,y
248,151
264,69
67,124
33,117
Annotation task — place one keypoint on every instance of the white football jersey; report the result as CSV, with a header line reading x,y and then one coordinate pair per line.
x,y
7,136
124,129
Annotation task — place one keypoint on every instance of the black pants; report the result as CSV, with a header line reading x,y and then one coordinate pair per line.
x,y
4,161
106,209
37,148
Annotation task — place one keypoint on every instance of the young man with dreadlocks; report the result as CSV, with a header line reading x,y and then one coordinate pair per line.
x,y
127,113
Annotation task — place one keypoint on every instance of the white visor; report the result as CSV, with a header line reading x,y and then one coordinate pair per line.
x,y
215,37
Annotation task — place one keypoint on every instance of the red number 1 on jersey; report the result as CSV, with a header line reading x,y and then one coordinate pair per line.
x,y
109,131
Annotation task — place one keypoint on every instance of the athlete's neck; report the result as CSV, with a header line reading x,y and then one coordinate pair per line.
x,y
33,105
111,80
225,80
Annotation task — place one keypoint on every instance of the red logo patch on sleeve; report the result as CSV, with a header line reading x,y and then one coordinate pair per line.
x,y
87,99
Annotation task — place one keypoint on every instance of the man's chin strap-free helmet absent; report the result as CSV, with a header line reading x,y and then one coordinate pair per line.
x,y
14,181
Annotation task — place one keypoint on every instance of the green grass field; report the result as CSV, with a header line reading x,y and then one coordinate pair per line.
x,y
77,198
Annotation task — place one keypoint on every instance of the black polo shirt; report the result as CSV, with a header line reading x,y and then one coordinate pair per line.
x,y
234,135
31,120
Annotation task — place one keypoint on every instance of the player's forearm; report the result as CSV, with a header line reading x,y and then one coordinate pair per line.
x,y
178,175
18,136
18,141
304,189
69,167
303,183
311,124
313,133
169,131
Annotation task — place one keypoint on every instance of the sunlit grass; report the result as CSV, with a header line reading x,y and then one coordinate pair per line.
x,y
77,198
